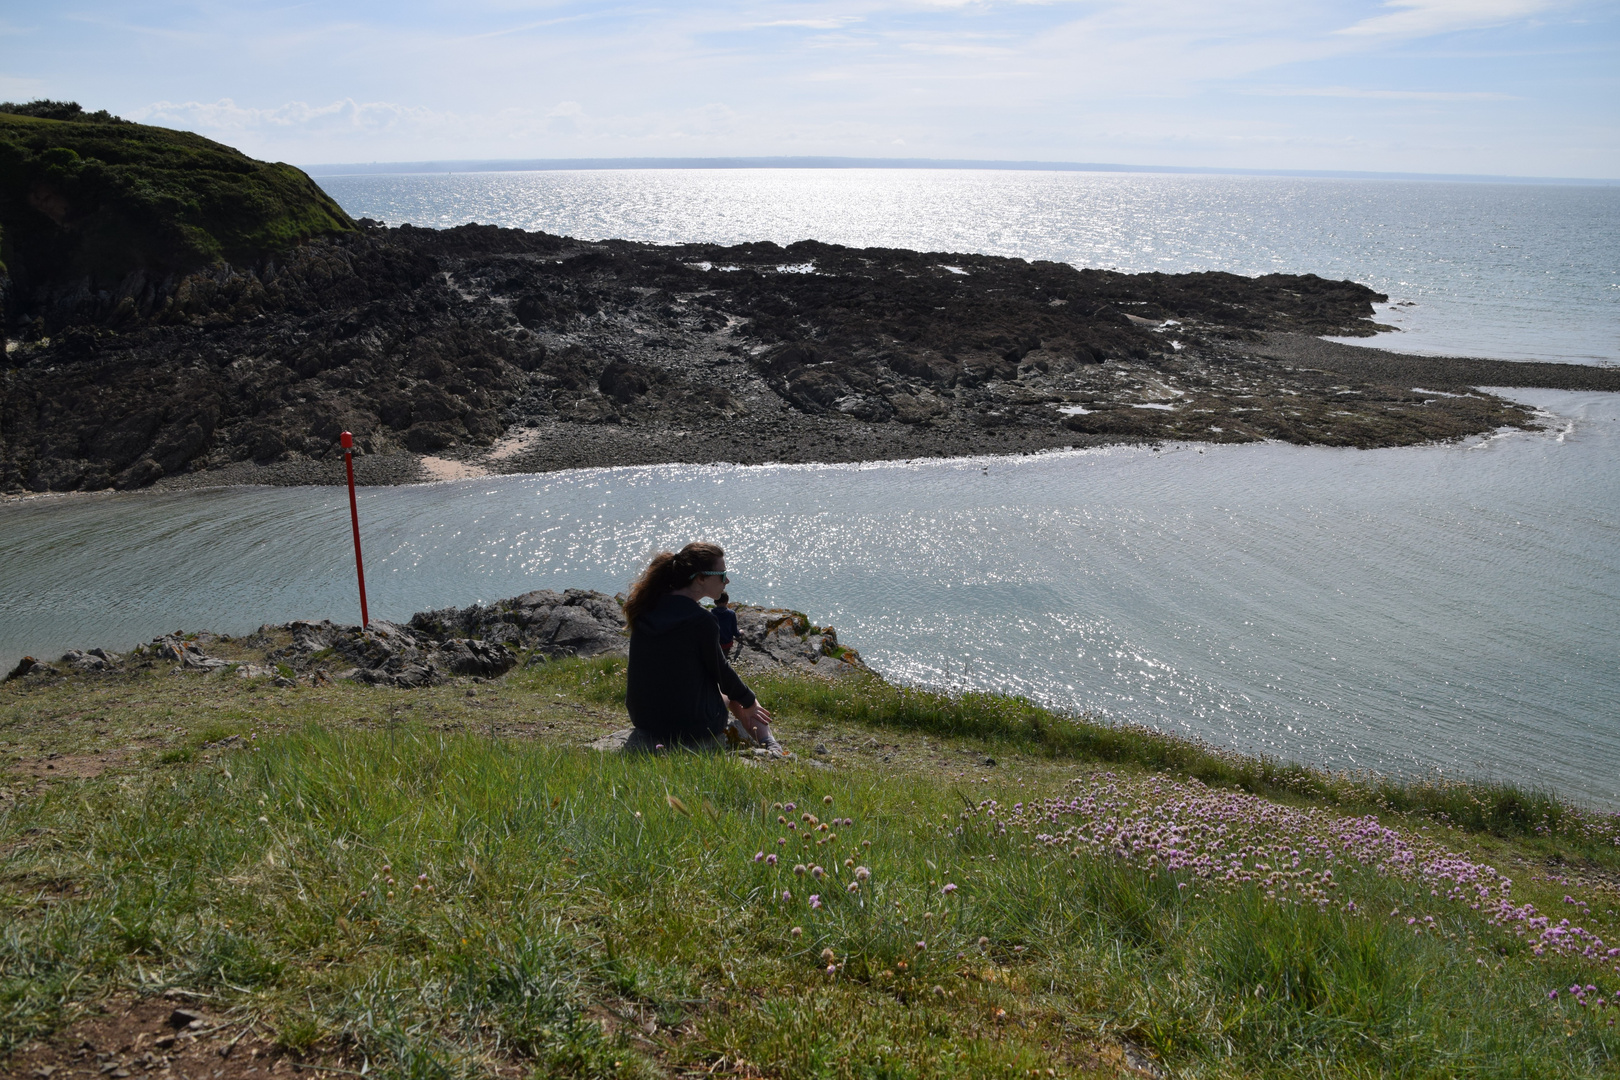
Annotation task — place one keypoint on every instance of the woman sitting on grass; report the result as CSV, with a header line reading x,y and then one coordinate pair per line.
x,y
680,685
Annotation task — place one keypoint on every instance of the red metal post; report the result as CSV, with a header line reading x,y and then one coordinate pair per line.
x,y
354,519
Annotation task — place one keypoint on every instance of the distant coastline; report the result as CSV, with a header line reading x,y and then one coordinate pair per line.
x,y
385,168
205,344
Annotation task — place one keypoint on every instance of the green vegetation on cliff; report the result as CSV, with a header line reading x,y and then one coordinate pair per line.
x,y
89,199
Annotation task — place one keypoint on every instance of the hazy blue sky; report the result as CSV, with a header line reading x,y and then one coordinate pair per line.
x,y
1528,87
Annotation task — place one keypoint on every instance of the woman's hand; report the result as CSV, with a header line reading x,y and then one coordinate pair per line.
x,y
755,718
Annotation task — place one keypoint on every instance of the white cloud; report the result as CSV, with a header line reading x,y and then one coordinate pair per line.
x,y
813,24
345,114
1164,81
1422,18
1391,95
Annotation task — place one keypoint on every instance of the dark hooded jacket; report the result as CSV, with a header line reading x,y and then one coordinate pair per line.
x,y
677,673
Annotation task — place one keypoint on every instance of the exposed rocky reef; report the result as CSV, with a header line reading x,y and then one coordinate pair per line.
x,y
484,641
485,349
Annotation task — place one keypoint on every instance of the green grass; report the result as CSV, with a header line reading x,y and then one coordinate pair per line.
x,y
1500,809
559,923
562,889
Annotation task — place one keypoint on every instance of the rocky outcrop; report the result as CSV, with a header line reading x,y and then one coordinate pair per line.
x,y
386,654
781,639
95,660
26,666
572,623
484,641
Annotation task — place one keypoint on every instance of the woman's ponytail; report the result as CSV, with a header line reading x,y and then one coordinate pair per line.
x,y
668,571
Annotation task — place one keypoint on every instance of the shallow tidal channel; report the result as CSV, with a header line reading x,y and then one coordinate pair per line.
x,y
1436,608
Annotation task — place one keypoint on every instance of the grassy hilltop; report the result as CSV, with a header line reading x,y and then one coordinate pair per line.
x,y
447,883
89,198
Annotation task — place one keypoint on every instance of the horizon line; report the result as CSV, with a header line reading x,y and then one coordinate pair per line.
x,y
481,165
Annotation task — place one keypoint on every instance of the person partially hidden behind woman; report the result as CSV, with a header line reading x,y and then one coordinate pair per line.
x,y
680,685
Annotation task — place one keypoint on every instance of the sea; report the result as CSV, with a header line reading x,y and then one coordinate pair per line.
x,y
1440,610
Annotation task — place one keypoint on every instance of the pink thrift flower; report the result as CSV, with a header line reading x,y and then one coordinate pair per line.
x,y
815,901
770,860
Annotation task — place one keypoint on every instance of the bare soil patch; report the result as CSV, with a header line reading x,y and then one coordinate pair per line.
x,y
171,1037
67,766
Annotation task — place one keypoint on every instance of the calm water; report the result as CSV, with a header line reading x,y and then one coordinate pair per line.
x,y
1444,607
1523,272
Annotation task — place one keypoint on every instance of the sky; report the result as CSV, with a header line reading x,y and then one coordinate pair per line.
x,y
1505,87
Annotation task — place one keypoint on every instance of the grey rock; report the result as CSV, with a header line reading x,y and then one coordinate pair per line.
x,y
85,661
186,655
612,742
573,623
577,631
469,656
26,666
182,1018
483,641
775,638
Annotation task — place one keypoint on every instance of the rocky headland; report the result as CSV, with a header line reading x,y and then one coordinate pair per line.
x,y
478,349
477,643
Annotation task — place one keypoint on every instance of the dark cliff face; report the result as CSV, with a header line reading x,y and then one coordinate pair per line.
x,y
100,217
585,353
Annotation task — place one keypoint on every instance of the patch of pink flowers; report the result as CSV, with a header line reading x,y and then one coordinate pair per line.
x,y
1227,840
